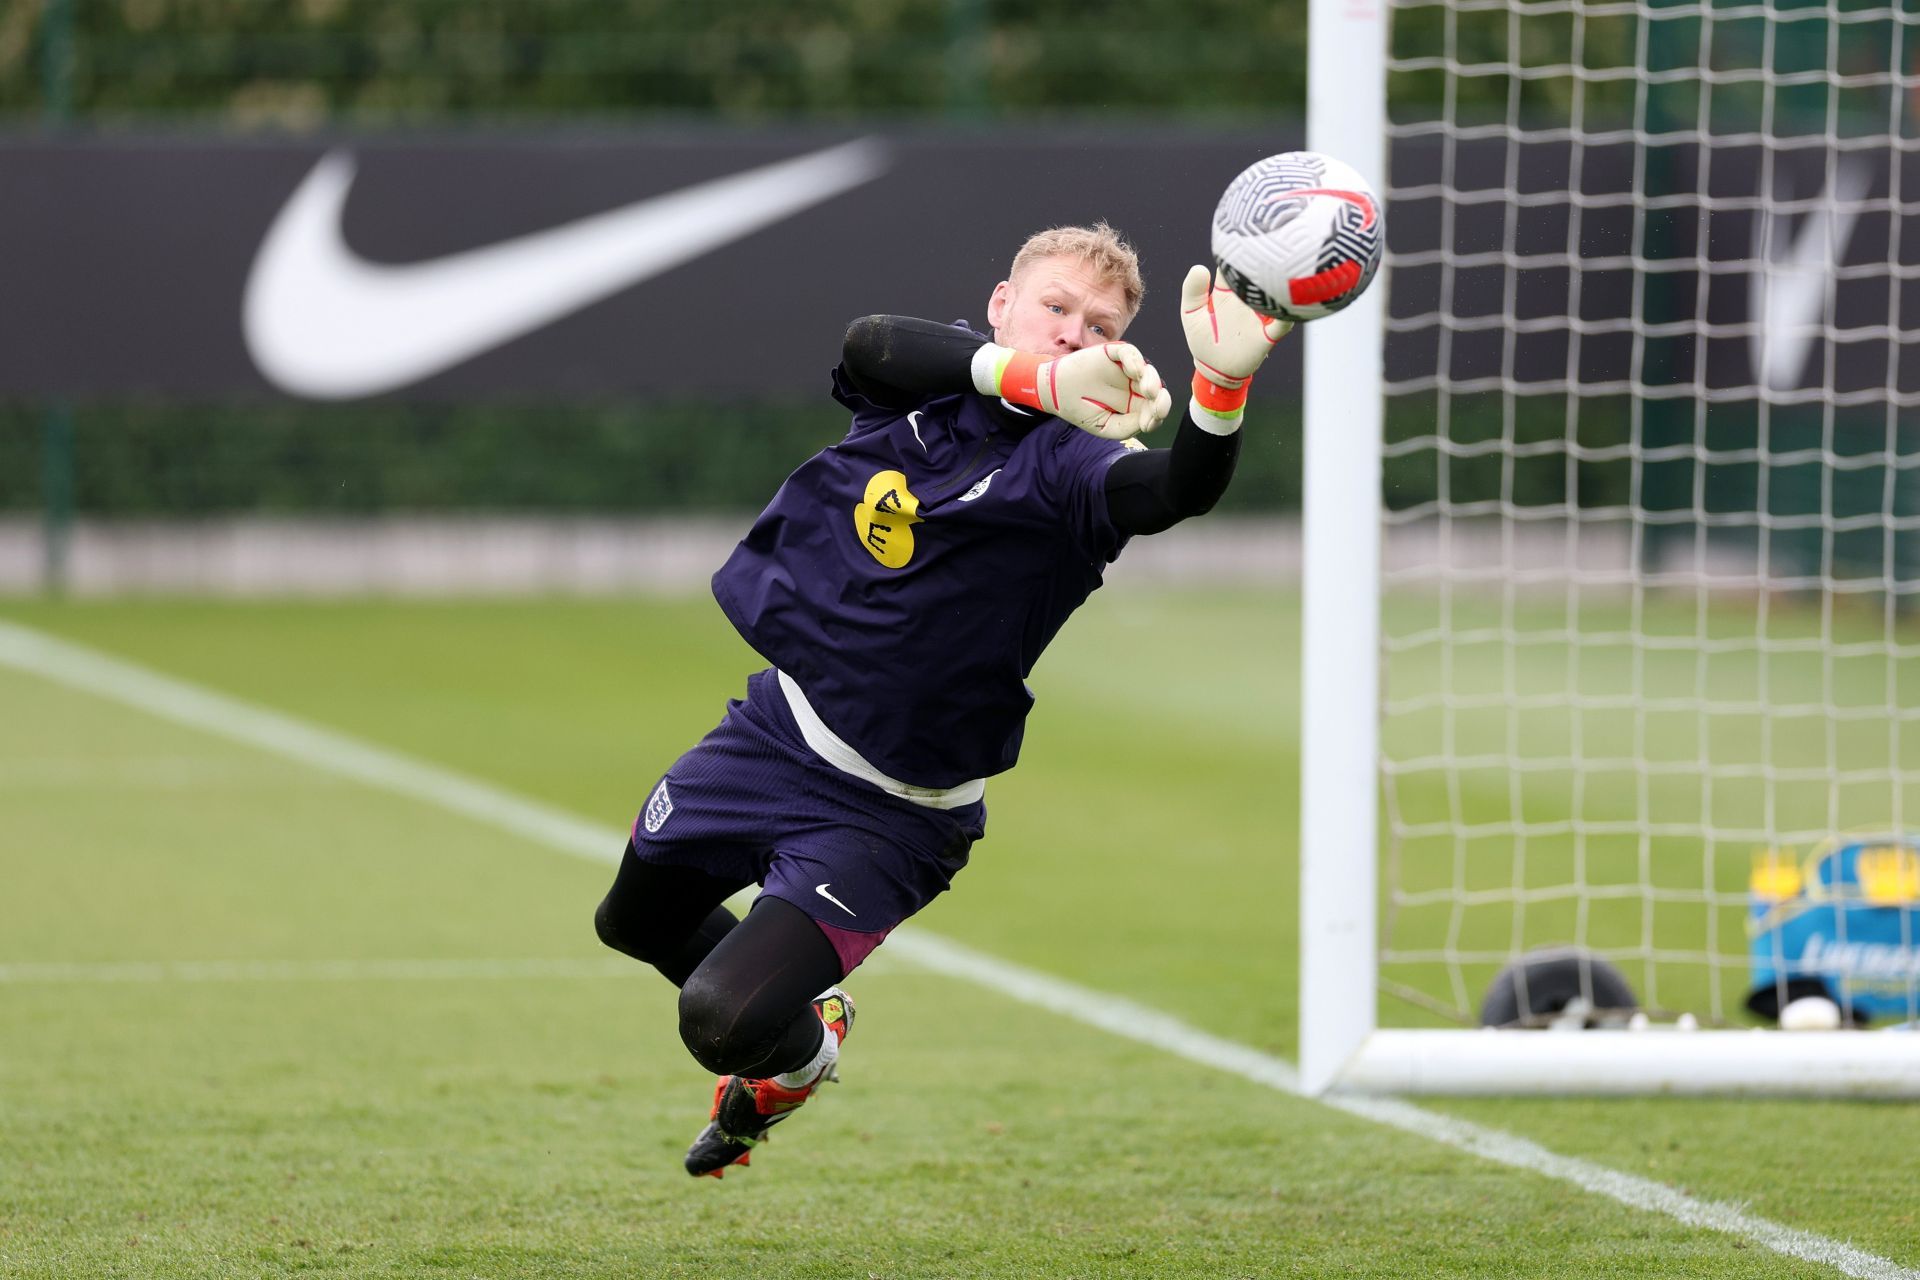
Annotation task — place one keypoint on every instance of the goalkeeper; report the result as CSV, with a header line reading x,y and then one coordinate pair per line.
x,y
901,584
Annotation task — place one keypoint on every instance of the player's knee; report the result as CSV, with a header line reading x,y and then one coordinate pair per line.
x,y
711,1027
616,931
606,925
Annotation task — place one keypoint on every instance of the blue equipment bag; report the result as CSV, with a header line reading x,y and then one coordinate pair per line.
x,y
1844,924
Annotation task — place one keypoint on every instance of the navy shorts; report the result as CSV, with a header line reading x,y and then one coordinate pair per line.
x,y
753,803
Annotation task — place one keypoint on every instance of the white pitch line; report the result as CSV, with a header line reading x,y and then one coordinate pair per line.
x,y
95,673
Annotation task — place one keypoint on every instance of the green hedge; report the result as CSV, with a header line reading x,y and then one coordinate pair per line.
x,y
145,460
139,460
142,459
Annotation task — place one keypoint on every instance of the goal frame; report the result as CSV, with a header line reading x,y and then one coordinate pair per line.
x,y
1342,1046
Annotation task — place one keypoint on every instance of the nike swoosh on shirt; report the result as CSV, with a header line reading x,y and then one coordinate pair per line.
x,y
323,322
821,889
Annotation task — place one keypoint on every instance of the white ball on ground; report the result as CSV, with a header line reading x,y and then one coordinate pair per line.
x,y
1810,1013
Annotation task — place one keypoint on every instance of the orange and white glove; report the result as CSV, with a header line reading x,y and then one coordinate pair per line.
x,y
1109,390
1229,341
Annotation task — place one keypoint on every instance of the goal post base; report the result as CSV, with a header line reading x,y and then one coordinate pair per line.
x,y
1862,1064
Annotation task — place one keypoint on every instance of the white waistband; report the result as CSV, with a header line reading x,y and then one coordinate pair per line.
x,y
829,746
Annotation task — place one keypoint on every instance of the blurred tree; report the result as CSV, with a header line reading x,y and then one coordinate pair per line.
x,y
301,63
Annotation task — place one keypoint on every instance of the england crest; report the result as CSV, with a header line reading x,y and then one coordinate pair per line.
x,y
659,808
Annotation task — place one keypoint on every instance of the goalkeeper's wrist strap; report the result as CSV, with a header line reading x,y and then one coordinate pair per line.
x,y
1222,402
1002,371
1214,424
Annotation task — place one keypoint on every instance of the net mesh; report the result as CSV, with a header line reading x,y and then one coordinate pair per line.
x,y
1652,477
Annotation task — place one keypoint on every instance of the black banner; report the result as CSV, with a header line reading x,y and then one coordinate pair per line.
x,y
726,264
692,264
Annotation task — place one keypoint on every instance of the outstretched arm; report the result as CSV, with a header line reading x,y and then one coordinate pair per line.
x,y
899,361
1149,492
1109,390
1157,488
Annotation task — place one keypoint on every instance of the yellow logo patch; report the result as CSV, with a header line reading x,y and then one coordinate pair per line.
x,y
885,519
1889,874
1775,876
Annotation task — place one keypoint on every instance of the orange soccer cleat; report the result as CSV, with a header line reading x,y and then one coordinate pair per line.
x,y
744,1109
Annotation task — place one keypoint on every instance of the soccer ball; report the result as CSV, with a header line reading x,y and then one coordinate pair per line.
x,y
1298,236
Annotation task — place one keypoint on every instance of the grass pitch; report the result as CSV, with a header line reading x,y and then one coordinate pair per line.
x,y
258,1021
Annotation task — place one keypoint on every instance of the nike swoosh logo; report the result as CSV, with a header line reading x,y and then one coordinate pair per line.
x,y
913,420
1787,294
321,321
821,889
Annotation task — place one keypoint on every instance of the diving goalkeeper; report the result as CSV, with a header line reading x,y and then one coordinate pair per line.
x,y
901,584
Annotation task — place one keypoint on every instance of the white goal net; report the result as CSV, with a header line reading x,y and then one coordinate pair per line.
x,y
1650,583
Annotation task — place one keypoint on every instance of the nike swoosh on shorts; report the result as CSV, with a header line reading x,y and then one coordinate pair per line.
x,y
323,322
821,889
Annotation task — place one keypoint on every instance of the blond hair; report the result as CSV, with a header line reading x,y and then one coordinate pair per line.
x,y
1099,247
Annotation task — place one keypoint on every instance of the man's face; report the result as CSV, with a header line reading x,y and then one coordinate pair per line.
x,y
1056,305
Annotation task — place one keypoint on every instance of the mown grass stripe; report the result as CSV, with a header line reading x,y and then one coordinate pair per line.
x,y
48,972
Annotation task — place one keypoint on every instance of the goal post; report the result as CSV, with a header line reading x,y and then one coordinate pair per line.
x,y
1612,543
1340,486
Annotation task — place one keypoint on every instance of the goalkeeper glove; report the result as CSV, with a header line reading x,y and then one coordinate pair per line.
x,y
1109,390
1229,341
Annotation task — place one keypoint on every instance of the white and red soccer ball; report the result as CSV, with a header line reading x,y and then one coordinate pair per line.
x,y
1298,236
